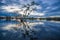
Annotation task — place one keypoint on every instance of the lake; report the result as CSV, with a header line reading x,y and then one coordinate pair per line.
x,y
29,30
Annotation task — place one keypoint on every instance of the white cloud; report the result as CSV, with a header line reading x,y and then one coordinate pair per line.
x,y
11,8
17,9
9,27
36,13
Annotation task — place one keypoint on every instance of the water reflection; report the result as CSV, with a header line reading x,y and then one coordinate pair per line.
x,y
29,30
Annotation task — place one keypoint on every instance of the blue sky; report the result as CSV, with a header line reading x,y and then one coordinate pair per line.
x,y
48,7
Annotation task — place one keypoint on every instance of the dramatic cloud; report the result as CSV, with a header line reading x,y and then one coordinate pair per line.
x,y
20,10
46,7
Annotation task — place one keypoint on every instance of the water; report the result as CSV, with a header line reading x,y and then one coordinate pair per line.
x,y
30,30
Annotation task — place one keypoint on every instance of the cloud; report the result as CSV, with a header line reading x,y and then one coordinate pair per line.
x,y
20,10
9,27
49,2
36,13
45,6
11,8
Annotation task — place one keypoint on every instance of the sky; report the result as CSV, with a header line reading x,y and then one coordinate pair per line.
x,y
43,8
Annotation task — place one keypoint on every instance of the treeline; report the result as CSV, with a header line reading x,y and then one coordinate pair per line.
x,y
48,19
55,19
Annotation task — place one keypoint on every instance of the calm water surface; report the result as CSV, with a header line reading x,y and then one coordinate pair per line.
x,y
30,30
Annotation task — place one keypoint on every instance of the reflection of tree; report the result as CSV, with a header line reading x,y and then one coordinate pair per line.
x,y
27,33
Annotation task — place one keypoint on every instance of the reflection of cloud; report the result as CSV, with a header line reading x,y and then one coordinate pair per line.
x,y
35,23
18,26
9,27
4,34
55,21
34,26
